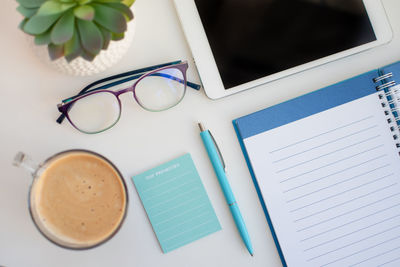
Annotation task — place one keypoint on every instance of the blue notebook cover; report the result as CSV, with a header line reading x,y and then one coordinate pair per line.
x,y
301,107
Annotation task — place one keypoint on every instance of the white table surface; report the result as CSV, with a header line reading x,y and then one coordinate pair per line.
x,y
29,92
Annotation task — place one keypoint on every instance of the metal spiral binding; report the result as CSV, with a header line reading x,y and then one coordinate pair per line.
x,y
383,77
390,101
386,85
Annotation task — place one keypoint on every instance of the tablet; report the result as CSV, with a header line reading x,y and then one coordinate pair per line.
x,y
240,44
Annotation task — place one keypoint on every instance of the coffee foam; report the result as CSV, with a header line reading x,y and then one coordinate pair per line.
x,y
78,199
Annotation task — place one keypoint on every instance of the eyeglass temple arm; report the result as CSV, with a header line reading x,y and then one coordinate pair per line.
x,y
139,73
165,75
130,73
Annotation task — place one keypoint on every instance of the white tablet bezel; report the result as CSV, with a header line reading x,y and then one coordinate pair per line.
x,y
207,67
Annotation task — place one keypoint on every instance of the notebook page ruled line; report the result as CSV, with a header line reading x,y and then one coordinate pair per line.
x,y
334,162
388,262
330,153
355,242
368,248
330,142
321,134
348,168
343,203
341,193
375,256
347,212
354,221
347,234
331,185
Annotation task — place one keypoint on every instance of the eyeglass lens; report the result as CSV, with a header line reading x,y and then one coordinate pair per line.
x,y
95,112
161,90
100,110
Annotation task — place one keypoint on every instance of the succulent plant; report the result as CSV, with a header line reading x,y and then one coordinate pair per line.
x,y
73,28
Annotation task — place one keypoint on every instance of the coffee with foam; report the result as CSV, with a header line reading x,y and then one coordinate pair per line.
x,y
79,200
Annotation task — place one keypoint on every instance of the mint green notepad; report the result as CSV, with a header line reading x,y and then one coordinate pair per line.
x,y
176,203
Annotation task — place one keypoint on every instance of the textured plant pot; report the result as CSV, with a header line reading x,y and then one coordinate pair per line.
x,y
81,67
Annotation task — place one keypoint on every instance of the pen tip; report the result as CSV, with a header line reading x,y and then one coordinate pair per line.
x,y
201,126
251,254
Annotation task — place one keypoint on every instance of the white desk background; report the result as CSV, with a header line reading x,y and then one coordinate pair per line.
x,y
29,92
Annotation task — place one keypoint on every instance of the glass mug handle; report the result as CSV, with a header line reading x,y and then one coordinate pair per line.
x,y
24,161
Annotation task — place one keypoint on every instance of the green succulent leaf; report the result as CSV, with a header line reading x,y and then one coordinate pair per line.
x,y
73,48
122,8
55,51
43,39
107,1
84,2
85,12
128,2
88,56
117,36
106,36
67,1
54,7
90,35
31,3
39,24
63,29
27,12
22,23
109,18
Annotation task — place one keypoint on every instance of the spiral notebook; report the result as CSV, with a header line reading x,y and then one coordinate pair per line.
x,y
326,167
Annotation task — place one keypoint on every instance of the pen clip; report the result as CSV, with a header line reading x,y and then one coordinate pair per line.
x,y
219,151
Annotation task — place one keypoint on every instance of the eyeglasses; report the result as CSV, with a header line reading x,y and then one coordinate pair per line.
x,y
96,109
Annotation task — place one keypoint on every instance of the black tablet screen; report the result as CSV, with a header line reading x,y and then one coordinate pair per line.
x,y
251,39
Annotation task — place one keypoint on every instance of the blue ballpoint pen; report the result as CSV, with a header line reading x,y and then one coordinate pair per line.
x,y
219,167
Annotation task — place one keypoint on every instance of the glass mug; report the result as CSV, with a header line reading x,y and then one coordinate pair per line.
x,y
78,199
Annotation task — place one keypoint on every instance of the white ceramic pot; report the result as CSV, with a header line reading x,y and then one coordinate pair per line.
x,y
81,67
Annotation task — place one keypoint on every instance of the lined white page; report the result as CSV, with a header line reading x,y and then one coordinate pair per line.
x,y
331,186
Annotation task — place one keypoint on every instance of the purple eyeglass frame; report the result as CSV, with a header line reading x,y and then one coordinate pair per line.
x,y
66,104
